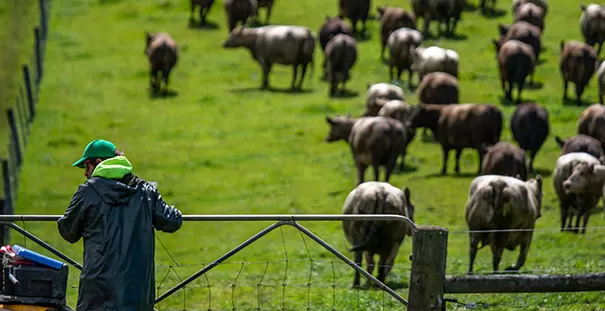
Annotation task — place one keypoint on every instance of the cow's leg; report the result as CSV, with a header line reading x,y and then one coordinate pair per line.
x,y
266,70
302,76
294,76
268,15
386,263
519,90
579,91
474,242
390,166
427,19
565,85
203,14
410,75
532,156
376,168
446,152
599,49
458,153
361,169
481,156
576,228
152,78
166,76
191,13
497,256
358,255
369,257
333,85
524,249
585,223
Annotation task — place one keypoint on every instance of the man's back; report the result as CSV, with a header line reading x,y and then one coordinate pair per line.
x,y
116,219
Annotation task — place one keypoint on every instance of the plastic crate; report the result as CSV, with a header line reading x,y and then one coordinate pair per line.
x,y
36,281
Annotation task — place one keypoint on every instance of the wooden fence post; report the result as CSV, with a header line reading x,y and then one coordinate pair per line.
x,y
44,18
28,90
38,55
429,254
22,120
14,135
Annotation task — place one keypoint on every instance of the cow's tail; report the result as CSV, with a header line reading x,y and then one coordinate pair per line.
x,y
498,199
370,227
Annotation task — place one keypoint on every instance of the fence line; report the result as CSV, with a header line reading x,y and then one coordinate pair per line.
x,y
21,114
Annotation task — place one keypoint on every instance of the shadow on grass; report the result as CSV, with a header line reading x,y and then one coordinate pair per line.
x,y
455,36
534,86
161,94
544,172
198,25
450,174
363,36
493,13
345,94
573,102
288,90
469,7
406,169
514,101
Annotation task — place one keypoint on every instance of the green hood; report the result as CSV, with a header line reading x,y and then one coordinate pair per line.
x,y
113,168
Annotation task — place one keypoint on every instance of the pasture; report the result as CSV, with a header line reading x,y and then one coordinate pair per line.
x,y
218,145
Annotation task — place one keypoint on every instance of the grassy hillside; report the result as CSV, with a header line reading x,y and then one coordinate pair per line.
x,y
221,146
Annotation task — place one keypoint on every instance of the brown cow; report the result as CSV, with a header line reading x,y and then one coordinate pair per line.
x,y
516,62
205,6
341,55
375,141
531,13
570,197
460,126
529,126
524,32
355,10
162,52
380,90
369,237
543,4
239,11
505,159
400,44
439,88
577,64
391,19
267,4
586,180
285,45
592,123
446,12
580,143
330,28
592,24
499,203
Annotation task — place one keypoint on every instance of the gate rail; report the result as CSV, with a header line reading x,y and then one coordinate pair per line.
x,y
283,219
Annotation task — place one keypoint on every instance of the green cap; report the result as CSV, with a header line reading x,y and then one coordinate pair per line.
x,y
98,148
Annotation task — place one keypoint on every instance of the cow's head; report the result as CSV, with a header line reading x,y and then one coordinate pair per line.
x,y
581,178
239,36
340,127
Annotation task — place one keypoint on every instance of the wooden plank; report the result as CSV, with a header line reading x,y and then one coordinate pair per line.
x,y
525,283
429,252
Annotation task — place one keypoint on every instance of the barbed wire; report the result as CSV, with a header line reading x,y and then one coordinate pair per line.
x,y
463,231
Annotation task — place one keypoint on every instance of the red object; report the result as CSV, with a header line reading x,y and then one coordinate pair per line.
x,y
10,257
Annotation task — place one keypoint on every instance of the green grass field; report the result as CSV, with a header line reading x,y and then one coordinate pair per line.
x,y
221,146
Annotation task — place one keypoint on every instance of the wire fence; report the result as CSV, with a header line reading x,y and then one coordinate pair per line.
x,y
21,115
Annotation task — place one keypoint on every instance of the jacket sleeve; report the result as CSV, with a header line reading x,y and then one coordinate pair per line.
x,y
70,224
165,217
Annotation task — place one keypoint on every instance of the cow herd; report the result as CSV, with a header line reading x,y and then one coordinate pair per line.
x,y
501,198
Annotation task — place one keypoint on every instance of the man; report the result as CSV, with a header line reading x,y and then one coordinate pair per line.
x,y
115,212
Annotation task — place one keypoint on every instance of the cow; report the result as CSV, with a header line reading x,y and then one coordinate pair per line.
x,y
443,11
531,13
285,45
355,10
439,88
586,180
524,32
434,58
341,55
399,44
398,110
460,126
592,123
502,203
580,203
601,81
377,237
580,143
592,24
516,62
577,64
239,11
383,91
330,28
391,19
375,141
530,127
162,53
505,159
543,4
267,4
205,6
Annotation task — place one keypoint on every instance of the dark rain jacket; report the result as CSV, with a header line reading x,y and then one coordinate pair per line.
x,y
116,213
